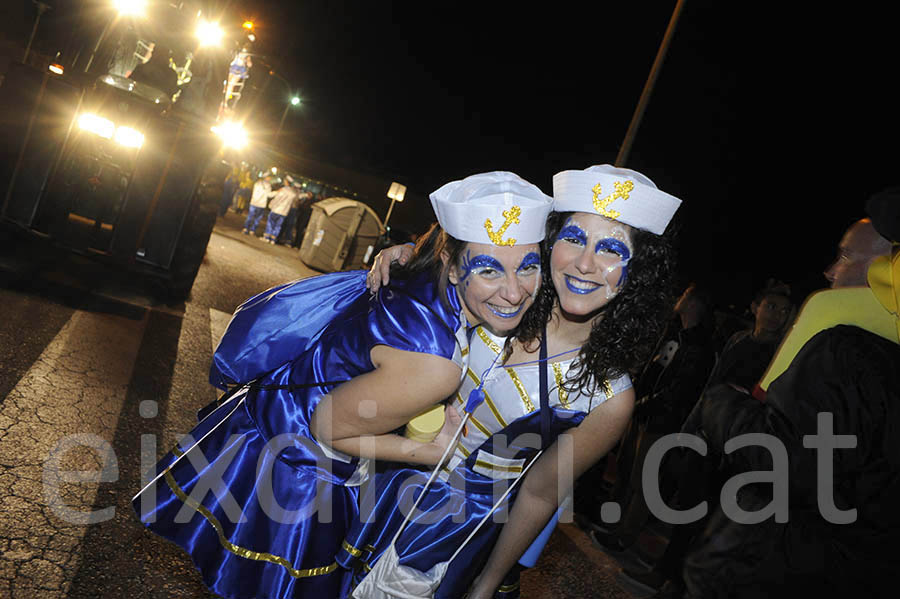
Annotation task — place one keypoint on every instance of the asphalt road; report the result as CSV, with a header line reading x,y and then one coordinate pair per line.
x,y
97,380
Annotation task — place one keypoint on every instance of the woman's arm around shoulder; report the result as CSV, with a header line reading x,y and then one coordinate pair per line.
x,y
549,481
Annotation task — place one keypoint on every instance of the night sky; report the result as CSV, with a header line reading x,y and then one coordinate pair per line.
x,y
773,121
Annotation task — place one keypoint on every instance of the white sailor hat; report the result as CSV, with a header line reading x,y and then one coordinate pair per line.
x,y
617,193
498,208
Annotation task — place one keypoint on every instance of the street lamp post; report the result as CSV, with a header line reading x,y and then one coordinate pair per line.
x,y
396,193
41,9
294,102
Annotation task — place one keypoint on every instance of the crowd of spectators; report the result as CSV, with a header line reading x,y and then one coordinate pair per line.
x,y
279,205
778,377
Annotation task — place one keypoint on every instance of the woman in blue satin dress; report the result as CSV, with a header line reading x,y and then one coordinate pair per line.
x,y
604,300
262,491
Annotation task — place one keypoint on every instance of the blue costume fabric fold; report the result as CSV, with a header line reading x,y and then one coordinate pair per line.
x,y
449,511
258,504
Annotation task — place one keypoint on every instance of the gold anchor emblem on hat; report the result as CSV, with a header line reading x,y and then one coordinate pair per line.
x,y
511,216
600,204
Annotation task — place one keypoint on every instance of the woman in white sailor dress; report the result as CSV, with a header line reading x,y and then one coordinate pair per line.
x,y
500,437
606,295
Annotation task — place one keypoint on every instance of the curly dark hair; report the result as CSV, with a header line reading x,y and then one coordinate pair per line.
x,y
626,330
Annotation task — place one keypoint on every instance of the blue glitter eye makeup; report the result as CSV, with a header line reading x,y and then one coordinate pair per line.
x,y
611,244
479,264
530,260
572,233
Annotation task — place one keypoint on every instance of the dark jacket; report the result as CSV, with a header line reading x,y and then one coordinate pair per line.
x,y
852,375
668,389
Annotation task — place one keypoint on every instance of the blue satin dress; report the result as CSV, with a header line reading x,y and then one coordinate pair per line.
x,y
258,504
501,437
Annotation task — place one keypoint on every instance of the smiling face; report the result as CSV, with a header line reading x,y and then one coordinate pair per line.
x,y
589,262
497,284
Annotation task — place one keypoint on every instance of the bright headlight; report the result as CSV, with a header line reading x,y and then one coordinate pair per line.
x,y
97,125
130,138
233,135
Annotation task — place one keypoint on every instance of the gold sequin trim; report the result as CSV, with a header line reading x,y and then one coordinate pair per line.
x,y
558,375
487,340
487,400
480,426
241,551
463,450
511,216
353,551
607,389
523,393
490,466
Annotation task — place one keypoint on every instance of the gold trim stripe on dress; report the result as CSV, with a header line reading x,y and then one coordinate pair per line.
x,y
607,389
487,400
353,551
523,393
490,466
558,375
473,420
488,341
241,551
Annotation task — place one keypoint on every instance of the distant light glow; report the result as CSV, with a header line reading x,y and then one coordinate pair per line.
x,y
251,37
295,100
133,8
209,33
97,125
56,68
247,25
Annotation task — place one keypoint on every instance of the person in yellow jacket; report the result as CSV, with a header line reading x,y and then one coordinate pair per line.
x,y
244,191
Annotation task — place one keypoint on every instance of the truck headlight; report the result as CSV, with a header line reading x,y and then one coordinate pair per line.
x,y
128,137
97,125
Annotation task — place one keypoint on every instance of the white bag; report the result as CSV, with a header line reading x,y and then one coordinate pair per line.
x,y
389,579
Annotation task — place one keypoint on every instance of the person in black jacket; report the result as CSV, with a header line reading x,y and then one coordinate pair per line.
x,y
667,390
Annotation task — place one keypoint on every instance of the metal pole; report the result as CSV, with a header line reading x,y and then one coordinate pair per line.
x,y
99,41
283,115
388,217
41,9
648,87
